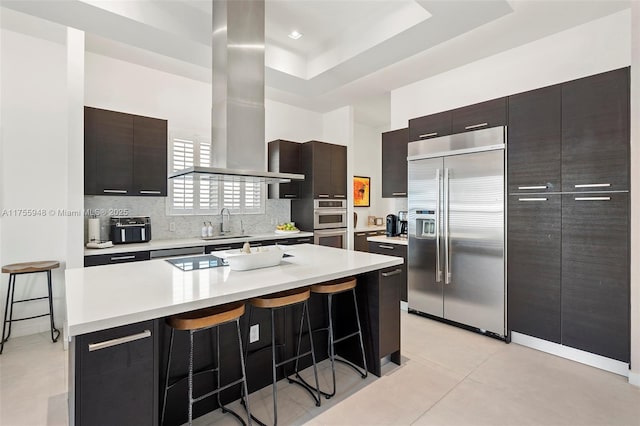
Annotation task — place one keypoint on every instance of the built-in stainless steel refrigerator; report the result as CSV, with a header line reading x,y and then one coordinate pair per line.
x,y
457,228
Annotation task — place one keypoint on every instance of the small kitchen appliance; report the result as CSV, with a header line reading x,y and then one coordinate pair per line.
x,y
392,225
402,223
125,230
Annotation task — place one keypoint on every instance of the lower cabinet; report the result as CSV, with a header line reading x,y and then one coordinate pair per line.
x,y
595,273
360,242
398,250
116,379
534,265
107,259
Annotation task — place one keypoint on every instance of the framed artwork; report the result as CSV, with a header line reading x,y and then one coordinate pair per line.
x,y
361,191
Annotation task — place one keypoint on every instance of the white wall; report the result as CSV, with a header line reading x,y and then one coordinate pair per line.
x,y
34,168
283,121
597,46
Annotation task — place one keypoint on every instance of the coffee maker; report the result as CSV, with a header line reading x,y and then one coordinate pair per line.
x,y
402,224
392,225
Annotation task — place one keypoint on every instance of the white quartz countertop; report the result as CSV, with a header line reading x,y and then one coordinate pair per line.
x,y
109,296
366,228
389,240
189,242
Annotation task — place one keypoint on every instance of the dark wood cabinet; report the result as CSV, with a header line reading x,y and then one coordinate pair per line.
x,y
479,116
108,259
595,273
430,126
360,242
284,157
399,250
535,140
390,284
595,132
394,163
325,168
534,265
116,376
124,154
338,172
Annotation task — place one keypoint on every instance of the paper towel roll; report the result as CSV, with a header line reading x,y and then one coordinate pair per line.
x,y
94,229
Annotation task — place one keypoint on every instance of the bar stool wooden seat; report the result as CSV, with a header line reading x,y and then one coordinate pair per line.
x,y
330,289
283,300
20,269
200,320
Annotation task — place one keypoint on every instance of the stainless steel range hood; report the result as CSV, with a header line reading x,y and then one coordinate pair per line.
x,y
237,113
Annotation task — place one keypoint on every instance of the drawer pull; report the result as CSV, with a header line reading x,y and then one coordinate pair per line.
x,y
592,198
386,247
428,135
114,191
392,273
222,248
362,234
150,192
340,196
593,185
398,193
475,126
289,195
532,199
123,257
323,195
118,341
533,187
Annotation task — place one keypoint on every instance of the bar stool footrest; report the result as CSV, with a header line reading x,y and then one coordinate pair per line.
x,y
213,392
29,300
302,382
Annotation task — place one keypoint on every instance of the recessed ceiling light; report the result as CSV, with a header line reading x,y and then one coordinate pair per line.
x,y
295,35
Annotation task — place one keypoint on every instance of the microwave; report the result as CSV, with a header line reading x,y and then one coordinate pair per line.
x,y
125,230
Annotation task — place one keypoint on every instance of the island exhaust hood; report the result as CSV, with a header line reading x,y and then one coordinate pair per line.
x,y
237,113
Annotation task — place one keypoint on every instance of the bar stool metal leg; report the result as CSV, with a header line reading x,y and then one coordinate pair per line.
x,y
244,375
190,379
364,358
8,309
166,381
53,327
273,364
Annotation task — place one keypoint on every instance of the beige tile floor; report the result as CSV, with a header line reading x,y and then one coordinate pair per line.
x,y
449,376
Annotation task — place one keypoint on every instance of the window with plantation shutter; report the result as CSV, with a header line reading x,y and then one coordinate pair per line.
x,y
197,194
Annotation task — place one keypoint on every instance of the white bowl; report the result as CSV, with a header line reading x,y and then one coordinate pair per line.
x,y
260,257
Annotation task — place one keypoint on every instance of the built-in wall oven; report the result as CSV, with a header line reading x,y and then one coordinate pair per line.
x,y
330,223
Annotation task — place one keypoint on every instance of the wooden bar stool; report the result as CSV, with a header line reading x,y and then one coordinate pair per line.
x,y
200,320
274,302
331,288
27,268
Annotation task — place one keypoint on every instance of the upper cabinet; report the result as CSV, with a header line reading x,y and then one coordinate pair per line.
x,y
595,132
430,126
394,163
479,116
325,168
284,157
124,154
535,140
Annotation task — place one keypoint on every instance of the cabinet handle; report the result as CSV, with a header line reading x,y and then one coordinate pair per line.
x,y
114,191
256,244
361,234
532,199
533,187
123,257
392,273
303,240
340,196
427,135
118,341
592,198
150,192
593,185
386,247
221,248
398,193
323,195
289,195
475,126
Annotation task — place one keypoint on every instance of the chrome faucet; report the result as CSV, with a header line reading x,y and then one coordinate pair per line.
x,y
224,228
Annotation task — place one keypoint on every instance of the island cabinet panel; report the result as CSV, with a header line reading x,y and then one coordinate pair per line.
x,y
430,126
535,140
595,132
107,259
479,116
398,250
534,265
116,381
595,273
394,163
284,157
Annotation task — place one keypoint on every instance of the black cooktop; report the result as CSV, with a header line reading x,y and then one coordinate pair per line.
x,y
192,263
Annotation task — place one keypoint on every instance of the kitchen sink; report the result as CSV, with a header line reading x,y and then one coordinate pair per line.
x,y
225,237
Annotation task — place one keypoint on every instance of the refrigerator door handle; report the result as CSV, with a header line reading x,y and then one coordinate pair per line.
x,y
438,192
447,257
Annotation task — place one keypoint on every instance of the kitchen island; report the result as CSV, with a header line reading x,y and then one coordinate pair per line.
x,y
120,384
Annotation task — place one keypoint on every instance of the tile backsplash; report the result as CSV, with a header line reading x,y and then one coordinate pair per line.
x,y
186,226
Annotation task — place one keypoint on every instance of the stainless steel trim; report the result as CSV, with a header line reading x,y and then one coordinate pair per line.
x,y
340,196
317,206
114,191
119,341
323,195
149,192
123,257
384,246
476,126
592,198
183,251
242,175
532,199
533,187
398,193
492,138
438,192
427,135
392,273
447,257
592,185
143,234
123,235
